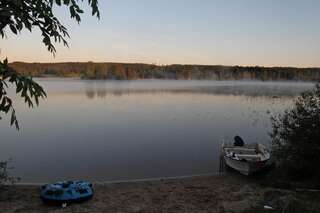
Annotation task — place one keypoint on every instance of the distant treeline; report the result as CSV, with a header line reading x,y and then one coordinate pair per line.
x,y
125,71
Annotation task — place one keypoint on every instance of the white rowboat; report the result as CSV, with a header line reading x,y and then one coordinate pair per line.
x,y
246,159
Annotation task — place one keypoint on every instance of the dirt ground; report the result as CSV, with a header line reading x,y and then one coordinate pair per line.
x,y
225,193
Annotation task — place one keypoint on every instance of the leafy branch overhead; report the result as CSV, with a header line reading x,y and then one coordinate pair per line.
x,y
18,14
28,89
15,15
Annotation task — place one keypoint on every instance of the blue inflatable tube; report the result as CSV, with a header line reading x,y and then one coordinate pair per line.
x,y
66,192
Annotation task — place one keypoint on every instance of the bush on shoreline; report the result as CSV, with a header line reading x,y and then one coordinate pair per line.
x,y
5,177
296,139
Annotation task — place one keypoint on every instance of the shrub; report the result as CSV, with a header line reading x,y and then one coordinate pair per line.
x,y
5,178
296,138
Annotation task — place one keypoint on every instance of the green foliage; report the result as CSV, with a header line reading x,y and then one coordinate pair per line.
x,y
28,89
19,14
296,138
5,177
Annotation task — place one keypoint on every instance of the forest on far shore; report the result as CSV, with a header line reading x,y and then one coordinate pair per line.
x,y
127,71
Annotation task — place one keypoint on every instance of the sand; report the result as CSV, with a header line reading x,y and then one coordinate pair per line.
x,y
225,193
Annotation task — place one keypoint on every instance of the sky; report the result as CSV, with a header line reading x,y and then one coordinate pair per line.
x,y
225,32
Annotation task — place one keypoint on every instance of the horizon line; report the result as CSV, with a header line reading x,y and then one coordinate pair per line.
x,y
101,62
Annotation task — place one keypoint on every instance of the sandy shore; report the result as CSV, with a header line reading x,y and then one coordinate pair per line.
x,y
226,193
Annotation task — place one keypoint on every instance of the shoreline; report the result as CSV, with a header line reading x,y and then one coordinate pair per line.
x,y
216,174
109,70
170,79
190,194
226,193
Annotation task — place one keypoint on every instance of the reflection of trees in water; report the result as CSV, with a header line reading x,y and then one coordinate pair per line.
x,y
269,92
93,92
90,93
101,93
100,90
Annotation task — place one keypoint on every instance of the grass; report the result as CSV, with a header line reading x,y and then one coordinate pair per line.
x,y
288,202
286,196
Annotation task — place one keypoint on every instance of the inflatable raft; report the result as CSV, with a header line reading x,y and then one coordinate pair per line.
x,y
66,192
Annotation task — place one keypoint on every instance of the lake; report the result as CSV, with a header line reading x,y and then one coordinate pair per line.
x,y
124,130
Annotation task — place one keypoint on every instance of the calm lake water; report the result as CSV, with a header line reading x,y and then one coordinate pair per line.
x,y
120,130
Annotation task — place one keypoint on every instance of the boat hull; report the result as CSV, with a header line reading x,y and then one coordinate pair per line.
x,y
244,167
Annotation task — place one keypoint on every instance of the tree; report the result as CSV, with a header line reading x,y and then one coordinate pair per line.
x,y
296,137
16,15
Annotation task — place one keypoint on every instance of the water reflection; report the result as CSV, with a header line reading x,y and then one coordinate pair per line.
x,y
111,130
251,89
90,93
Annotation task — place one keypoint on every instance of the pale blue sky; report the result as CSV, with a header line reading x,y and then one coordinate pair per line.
x,y
229,32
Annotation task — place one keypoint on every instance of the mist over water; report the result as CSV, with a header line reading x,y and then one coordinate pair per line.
x,y
113,130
